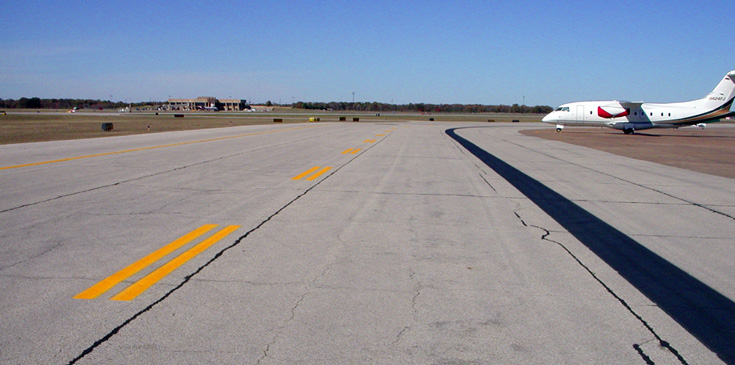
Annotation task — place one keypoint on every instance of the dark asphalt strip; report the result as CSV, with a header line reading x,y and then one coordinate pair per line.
x,y
702,311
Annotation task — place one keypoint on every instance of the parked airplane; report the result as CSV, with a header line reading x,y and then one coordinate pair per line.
x,y
631,116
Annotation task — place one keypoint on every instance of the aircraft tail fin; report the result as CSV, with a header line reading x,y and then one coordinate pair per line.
x,y
723,94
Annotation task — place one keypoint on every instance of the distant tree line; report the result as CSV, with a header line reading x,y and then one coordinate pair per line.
x,y
38,103
424,108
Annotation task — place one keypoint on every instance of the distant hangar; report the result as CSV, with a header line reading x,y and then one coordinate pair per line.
x,y
208,103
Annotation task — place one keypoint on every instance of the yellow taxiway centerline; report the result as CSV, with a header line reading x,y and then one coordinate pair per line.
x,y
147,281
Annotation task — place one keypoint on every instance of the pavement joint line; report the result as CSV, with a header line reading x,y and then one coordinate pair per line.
x,y
275,338
137,178
627,181
149,148
188,278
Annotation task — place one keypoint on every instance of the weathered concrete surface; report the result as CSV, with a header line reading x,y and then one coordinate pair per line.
x,y
413,249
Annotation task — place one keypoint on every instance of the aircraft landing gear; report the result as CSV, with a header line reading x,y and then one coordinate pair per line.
x,y
559,127
628,130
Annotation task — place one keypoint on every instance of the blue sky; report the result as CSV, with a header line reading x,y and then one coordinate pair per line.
x,y
488,52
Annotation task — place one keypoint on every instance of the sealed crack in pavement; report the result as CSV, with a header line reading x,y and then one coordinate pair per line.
x,y
414,310
135,179
701,310
219,254
689,202
662,343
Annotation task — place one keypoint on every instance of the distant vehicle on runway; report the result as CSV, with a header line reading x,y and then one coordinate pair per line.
x,y
636,115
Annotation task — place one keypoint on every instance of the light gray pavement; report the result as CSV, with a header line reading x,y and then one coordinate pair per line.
x,y
410,251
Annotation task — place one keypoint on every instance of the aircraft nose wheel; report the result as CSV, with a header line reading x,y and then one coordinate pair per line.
x,y
628,130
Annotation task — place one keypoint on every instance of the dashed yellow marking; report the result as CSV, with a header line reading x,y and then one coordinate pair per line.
x,y
307,172
147,281
351,151
148,148
319,173
96,290
369,141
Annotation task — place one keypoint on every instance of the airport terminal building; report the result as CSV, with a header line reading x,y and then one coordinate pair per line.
x,y
207,103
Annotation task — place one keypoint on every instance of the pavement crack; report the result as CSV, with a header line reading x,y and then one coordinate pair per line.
x,y
189,277
37,255
645,357
414,309
137,178
662,343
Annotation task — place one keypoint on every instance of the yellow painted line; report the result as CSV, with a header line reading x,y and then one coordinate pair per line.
x,y
347,151
369,140
147,281
150,148
307,172
319,173
96,290
355,151
380,135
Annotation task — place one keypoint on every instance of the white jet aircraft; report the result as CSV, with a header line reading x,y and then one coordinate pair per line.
x,y
631,116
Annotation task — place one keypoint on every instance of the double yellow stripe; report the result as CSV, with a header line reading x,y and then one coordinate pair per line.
x,y
141,285
309,171
147,281
351,151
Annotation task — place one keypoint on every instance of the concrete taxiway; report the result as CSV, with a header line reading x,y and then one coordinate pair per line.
x,y
360,242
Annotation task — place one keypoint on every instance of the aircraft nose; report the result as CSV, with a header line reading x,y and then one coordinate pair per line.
x,y
547,118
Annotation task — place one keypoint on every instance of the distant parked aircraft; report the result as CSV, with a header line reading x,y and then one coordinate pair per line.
x,y
631,116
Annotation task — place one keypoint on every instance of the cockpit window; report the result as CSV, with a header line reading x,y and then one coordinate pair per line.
x,y
562,109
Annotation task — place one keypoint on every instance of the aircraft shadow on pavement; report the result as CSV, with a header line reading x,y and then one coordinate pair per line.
x,y
702,311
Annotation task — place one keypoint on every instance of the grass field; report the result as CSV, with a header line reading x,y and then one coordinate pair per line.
x,y
38,125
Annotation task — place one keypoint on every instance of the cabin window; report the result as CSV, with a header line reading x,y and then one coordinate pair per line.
x,y
590,112
662,114
669,114
651,114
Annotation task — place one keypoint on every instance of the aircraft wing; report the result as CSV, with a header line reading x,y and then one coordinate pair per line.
x,y
617,109
630,104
